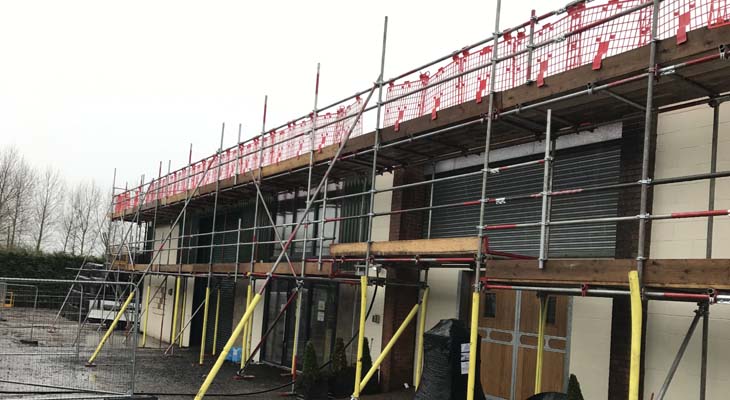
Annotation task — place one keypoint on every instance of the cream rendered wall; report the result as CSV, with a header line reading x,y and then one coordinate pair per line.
x,y
168,255
590,345
162,293
161,304
683,148
381,224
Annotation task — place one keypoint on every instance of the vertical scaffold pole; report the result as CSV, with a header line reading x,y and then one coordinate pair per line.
x,y
247,327
181,335
705,307
212,249
238,156
146,311
713,169
164,306
419,335
217,315
181,245
474,320
322,226
636,331
238,251
424,299
546,193
298,312
530,47
542,319
360,334
648,124
246,338
635,367
173,331
430,204
373,174
135,339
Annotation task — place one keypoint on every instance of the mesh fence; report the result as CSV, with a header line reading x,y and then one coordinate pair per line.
x,y
49,329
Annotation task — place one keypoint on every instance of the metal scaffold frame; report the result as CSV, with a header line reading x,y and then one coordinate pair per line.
x,y
319,196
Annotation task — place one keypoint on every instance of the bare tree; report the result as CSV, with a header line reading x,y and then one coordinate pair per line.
x,y
84,218
48,200
68,223
23,182
9,158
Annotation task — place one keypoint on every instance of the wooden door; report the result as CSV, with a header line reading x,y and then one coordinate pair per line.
x,y
508,326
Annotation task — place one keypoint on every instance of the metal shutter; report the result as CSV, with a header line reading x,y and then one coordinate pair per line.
x,y
225,317
588,166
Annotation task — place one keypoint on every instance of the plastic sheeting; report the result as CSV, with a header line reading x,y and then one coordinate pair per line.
x,y
442,377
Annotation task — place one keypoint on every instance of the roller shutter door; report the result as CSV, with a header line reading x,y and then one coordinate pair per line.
x,y
225,318
577,167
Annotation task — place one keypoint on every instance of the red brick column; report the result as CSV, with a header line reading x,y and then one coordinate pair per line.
x,y
626,247
397,368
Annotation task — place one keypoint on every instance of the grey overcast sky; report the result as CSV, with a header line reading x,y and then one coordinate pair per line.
x,y
87,86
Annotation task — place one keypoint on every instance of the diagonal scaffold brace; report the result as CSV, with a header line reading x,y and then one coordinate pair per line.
x,y
258,296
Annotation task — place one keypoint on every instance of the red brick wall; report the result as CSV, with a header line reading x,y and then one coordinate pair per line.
x,y
626,247
397,368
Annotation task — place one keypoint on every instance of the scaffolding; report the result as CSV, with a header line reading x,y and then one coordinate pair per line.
x,y
552,63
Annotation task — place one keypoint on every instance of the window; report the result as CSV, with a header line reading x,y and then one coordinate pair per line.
x,y
490,305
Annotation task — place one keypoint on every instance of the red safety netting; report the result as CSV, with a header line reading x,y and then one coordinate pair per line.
x,y
292,141
719,13
586,33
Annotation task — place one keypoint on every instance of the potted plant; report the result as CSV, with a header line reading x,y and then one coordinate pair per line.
x,y
574,392
373,385
342,379
313,384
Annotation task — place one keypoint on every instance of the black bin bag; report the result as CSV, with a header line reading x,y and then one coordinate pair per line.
x,y
442,377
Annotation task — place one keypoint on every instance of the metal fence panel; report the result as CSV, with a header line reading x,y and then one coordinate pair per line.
x,y
50,328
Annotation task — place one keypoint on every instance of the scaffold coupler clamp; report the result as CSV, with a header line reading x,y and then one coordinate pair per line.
x,y
483,117
711,296
656,72
590,86
724,51
646,181
583,289
481,284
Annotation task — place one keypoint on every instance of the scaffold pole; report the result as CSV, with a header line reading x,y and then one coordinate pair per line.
x,y
474,319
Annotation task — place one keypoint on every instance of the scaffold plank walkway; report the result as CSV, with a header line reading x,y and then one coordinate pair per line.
x,y
445,246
